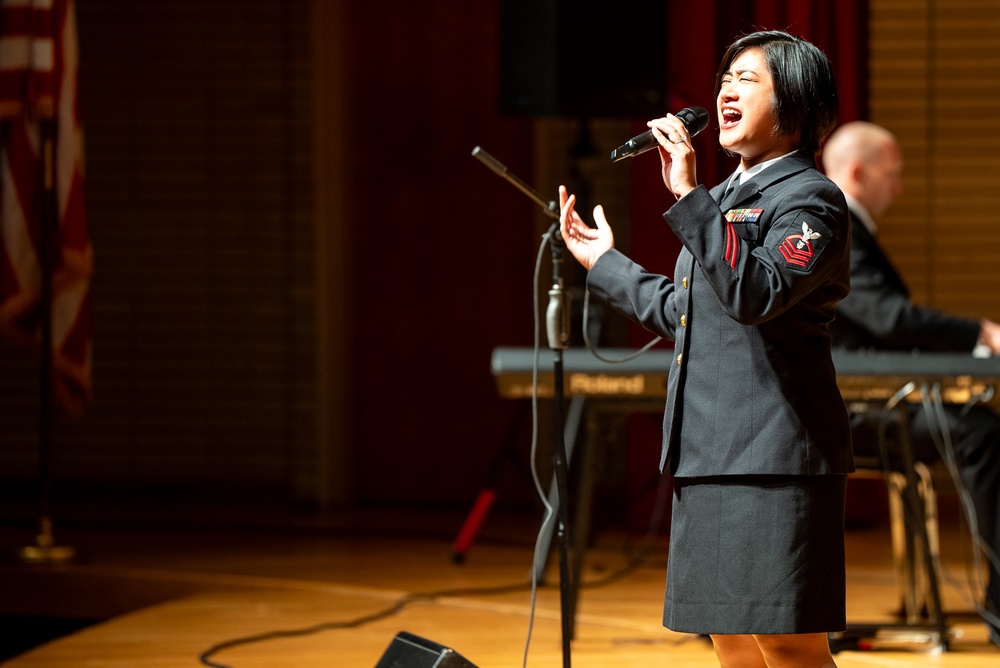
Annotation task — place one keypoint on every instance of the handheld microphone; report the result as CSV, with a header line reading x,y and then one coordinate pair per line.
x,y
695,119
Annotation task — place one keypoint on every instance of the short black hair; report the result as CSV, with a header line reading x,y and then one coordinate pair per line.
x,y
805,92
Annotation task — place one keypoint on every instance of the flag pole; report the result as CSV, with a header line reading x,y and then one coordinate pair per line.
x,y
45,549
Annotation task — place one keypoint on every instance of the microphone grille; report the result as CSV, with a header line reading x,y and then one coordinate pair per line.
x,y
695,119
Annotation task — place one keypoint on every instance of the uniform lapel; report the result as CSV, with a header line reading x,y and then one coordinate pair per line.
x,y
779,171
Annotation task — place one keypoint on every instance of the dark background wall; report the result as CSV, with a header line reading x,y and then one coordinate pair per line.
x,y
198,180
300,269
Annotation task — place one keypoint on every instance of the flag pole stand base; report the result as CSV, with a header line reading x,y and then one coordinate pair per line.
x,y
47,554
45,551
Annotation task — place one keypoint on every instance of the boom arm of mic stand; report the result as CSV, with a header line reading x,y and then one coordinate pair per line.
x,y
550,208
557,315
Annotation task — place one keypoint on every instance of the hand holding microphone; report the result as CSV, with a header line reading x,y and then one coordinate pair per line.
x,y
695,119
677,157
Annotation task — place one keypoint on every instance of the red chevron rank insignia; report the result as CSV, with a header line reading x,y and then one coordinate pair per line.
x,y
797,248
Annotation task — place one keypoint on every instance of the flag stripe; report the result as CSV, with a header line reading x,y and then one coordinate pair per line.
x,y
38,71
28,62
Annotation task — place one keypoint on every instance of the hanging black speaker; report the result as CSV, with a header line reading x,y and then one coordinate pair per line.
x,y
583,58
410,651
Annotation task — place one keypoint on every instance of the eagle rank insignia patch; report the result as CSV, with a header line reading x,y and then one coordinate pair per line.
x,y
798,249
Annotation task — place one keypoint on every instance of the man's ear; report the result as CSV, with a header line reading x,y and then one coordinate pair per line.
x,y
857,171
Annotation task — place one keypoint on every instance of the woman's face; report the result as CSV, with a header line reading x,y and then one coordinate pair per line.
x,y
746,111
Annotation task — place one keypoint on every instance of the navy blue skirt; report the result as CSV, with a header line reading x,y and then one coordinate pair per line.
x,y
757,554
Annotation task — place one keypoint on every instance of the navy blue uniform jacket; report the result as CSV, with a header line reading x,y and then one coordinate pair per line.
x,y
752,388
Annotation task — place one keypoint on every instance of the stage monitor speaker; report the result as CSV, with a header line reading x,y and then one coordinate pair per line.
x,y
410,651
583,58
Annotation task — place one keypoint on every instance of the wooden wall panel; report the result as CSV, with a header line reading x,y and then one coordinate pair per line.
x,y
935,79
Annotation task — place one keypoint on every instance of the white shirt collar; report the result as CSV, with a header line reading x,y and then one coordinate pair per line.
x,y
746,175
861,213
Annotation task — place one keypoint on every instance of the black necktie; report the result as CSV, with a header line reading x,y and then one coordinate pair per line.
x,y
730,195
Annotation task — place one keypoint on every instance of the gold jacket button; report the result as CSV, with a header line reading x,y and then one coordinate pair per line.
x,y
680,358
684,320
684,282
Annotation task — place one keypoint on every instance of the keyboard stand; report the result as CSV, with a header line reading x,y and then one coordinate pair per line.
x,y
933,637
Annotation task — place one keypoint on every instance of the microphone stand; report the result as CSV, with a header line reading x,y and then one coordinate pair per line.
x,y
557,326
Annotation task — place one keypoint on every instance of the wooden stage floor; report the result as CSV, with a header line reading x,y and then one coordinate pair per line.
x,y
343,588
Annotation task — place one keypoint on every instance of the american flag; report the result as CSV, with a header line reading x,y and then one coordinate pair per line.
x,y
38,84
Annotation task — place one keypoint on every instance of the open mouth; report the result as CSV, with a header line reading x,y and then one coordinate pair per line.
x,y
730,117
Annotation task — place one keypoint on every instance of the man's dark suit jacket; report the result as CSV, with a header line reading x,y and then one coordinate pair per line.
x,y
878,314
752,389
